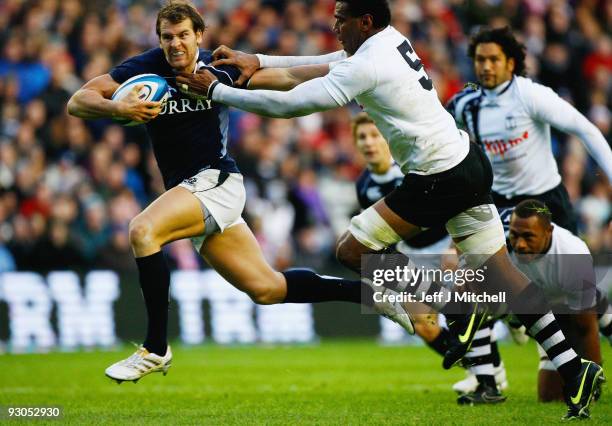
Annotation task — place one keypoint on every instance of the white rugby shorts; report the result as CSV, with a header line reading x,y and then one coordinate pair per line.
x,y
223,196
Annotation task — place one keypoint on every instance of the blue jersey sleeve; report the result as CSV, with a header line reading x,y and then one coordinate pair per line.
x,y
225,73
151,61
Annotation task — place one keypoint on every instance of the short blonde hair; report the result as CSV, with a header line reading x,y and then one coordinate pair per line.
x,y
358,120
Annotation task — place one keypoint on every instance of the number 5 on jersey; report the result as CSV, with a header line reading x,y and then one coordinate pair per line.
x,y
411,58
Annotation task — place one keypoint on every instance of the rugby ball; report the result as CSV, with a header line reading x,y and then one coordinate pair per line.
x,y
155,88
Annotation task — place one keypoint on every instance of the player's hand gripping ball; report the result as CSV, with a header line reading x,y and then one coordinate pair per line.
x,y
153,89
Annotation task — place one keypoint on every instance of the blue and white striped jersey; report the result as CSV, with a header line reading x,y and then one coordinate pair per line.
x,y
512,124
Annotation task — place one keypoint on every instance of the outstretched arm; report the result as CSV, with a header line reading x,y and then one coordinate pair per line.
x,y
266,61
547,106
93,101
303,99
342,84
285,78
249,63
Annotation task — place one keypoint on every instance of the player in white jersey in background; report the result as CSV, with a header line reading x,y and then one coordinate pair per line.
x,y
561,264
447,179
510,117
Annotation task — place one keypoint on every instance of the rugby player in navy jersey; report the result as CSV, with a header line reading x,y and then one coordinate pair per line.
x,y
205,193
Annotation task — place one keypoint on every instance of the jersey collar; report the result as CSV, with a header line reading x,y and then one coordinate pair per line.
x,y
552,239
499,90
393,173
197,61
373,38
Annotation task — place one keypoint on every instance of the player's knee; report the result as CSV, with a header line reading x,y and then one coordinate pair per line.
x,y
140,232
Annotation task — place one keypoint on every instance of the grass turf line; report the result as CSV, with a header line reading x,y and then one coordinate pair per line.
x,y
336,382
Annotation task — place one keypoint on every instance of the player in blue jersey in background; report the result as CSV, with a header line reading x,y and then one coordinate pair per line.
x,y
205,193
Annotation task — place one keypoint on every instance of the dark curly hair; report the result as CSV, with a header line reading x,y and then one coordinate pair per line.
x,y
379,9
503,37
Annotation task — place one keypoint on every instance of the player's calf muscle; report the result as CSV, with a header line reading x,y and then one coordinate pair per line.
x,y
263,288
264,285
266,294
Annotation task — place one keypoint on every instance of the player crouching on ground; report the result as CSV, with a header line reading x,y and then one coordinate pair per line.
x,y
561,265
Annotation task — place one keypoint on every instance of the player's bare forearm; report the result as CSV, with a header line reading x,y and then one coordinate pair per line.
x,y
286,78
89,104
93,99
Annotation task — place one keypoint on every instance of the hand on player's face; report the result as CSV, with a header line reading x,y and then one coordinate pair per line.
x,y
246,63
196,84
137,110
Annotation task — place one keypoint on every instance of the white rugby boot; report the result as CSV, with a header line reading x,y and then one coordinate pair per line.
x,y
467,385
519,335
470,383
395,311
138,365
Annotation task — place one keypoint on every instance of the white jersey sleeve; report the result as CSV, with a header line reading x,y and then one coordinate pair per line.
x,y
386,77
266,61
346,80
349,79
545,105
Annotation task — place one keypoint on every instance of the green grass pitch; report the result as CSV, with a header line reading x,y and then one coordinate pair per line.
x,y
334,382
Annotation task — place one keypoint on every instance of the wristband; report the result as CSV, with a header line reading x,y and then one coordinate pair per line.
x,y
211,88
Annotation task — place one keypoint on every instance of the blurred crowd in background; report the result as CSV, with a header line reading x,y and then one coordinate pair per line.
x,y
68,188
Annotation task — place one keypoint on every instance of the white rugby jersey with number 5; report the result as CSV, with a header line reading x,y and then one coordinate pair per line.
x,y
386,77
